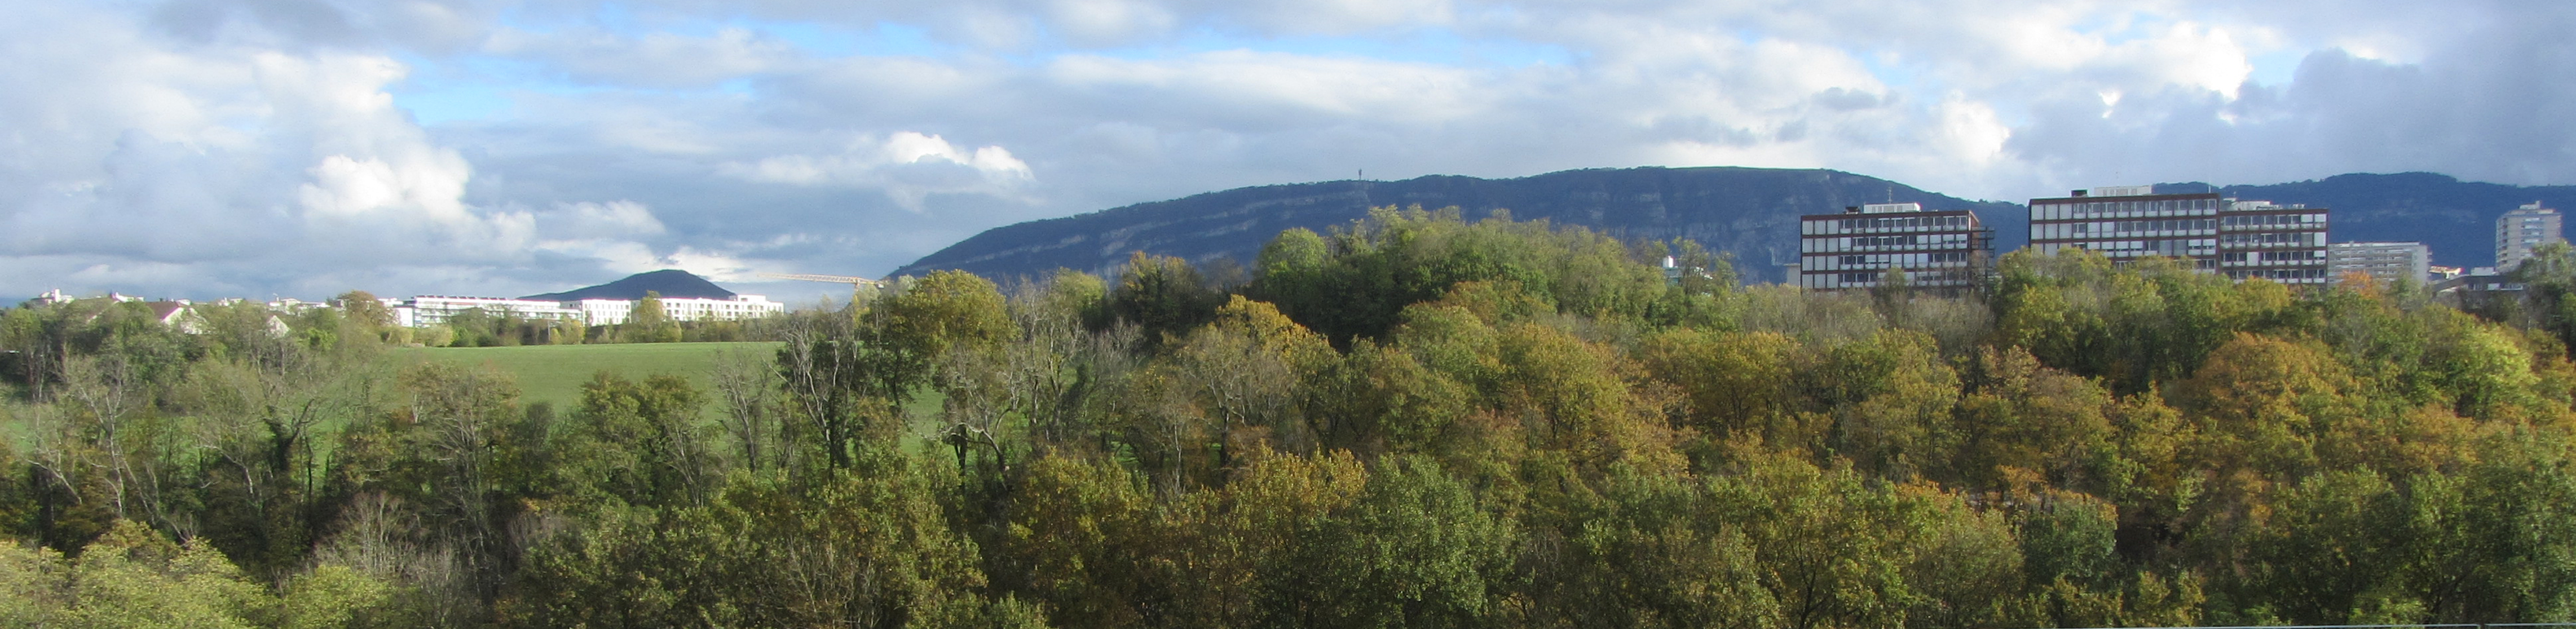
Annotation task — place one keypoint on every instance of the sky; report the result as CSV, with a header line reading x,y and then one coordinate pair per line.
x,y
300,148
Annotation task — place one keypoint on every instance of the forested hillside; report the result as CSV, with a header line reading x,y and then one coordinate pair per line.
x,y
1417,421
1749,212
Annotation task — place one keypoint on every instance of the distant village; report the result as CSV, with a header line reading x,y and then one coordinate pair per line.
x,y
1860,248
433,310
2244,239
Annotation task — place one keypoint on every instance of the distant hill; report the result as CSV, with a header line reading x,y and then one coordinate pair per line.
x,y
1752,212
669,282
2456,218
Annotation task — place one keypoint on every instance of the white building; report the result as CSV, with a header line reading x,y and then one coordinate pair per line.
x,y
739,307
2522,230
2385,262
428,310
616,311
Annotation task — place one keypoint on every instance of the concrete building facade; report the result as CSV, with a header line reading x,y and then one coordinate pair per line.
x,y
1939,249
2125,223
2282,243
2385,262
2241,239
2522,230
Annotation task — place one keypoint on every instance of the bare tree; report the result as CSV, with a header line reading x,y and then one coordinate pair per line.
x,y
748,388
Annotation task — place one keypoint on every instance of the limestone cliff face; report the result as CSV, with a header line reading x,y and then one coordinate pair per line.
x,y
1751,212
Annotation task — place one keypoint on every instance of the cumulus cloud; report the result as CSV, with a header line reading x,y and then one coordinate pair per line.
x,y
161,164
242,146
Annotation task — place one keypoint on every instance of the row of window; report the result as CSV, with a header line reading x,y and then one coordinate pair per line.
x,y
2175,247
1884,260
1870,278
2121,228
2123,209
2273,256
1882,223
2310,239
2266,220
1865,243
2278,274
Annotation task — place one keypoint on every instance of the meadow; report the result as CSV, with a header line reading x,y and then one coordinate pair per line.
x,y
554,373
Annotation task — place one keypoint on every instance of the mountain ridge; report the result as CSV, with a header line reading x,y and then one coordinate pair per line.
x,y
673,283
1749,212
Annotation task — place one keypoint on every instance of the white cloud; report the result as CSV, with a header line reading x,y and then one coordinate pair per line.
x,y
590,219
907,166
157,165
239,145
660,60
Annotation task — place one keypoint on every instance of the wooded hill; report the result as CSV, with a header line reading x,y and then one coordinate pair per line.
x,y
1415,422
1750,213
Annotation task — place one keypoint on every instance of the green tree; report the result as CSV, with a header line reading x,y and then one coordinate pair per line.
x,y
640,442
1414,551
649,322
1164,296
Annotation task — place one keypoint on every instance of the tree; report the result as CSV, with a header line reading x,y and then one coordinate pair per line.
x,y
365,309
1734,384
1042,371
454,449
747,392
1414,551
650,323
868,548
640,442
1163,295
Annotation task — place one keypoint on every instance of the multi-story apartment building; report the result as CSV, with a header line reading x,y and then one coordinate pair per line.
x,y
2385,262
2242,239
429,310
2282,243
616,311
2522,230
1945,249
2125,223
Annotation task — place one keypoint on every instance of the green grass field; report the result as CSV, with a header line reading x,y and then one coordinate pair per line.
x,y
554,373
